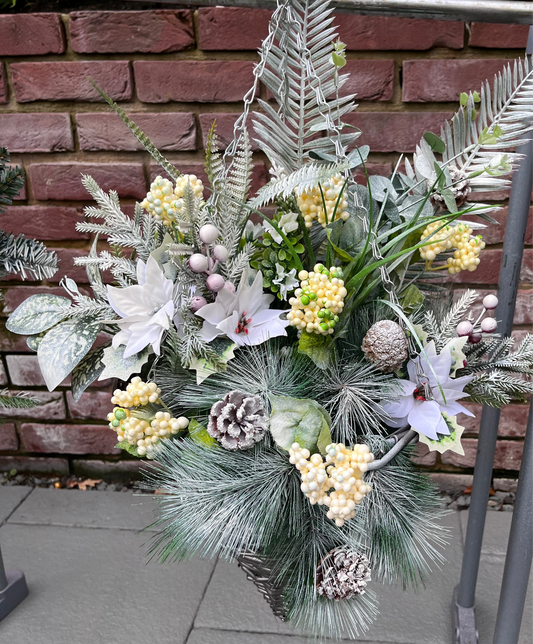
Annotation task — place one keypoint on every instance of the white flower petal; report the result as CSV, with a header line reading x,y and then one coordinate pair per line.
x,y
425,417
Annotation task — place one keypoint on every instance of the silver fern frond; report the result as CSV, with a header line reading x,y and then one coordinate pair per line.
x,y
299,72
298,182
25,256
475,140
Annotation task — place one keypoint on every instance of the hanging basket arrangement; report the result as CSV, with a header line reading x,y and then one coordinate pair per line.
x,y
279,369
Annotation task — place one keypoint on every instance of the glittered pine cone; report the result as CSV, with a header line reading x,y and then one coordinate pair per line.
x,y
386,346
238,421
461,188
342,574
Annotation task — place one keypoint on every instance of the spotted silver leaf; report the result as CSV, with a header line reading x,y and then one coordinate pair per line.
x,y
38,313
33,341
63,347
87,372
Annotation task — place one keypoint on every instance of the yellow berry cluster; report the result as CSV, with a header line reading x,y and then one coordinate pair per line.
x,y
165,202
468,247
137,393
319,300
144,433
336,483
311,204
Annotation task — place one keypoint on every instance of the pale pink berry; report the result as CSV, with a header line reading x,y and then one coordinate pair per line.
x,y
197,303
198,263
229,286
220,253
490,302
488,325
208,233
464,328
215,282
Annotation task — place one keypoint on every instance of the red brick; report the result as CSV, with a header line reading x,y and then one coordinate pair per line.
x,y
9,441
11,342
232,28
513,420
92,404
507,457
422,455
62,181
3,84
496,36
36,132
24,371
259,174
33,465
364,33
488,270
494,234
68,439
47,223
13,297
149,32
188,81
69,81
168,131
52,407
225,122
370,80
31,34
524,304
68,269
109,470
444,80
395,131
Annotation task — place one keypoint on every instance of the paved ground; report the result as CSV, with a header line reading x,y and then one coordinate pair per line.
x,y
84,561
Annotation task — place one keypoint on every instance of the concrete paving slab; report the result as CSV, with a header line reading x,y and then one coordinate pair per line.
x,y
207,636
84,509
10,498
496,534
230,604
93,587
487,598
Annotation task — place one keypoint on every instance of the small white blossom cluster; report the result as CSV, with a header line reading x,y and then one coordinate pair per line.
x,y
319,300
343,471
468,247
145,434
311,204
164,201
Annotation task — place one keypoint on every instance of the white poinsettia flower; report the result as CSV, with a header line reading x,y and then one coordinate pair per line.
x,y
287,282
288,224
146,309
243,316
428,394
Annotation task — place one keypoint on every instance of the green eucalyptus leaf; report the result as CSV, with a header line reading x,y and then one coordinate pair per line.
x,y
317,347
435,142
38,313
463,99
299,248
412,299
299,420
63,348
199,435
86,372
131,449
449,200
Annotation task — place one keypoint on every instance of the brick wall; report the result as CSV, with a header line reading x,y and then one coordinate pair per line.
x,y
177,70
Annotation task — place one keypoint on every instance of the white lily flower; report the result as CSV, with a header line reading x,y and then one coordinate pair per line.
x,y
421,403
243,316
252,231
287,282
146,309
288,224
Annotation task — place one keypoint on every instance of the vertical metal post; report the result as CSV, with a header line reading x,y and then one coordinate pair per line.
x,y
3,578
13,589
519,551
464,595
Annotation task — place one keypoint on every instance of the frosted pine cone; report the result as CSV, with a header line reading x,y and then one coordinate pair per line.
x,y
238,421
386,346
461,188
342,574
